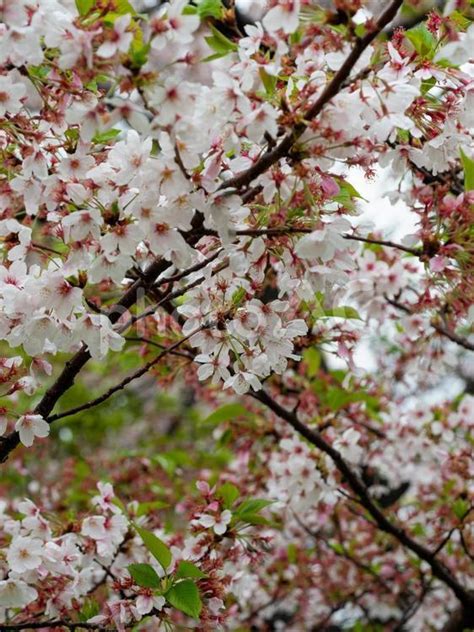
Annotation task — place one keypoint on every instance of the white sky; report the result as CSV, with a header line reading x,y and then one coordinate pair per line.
x,y
394,220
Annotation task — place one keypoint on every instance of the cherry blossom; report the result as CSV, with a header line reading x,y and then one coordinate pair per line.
x,y
14,593
120,38
219,524
191,290
24,554
30,426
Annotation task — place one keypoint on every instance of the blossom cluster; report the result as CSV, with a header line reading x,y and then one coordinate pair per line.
x,y
179,181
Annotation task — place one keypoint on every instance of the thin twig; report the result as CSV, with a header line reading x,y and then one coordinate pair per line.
x,y
148,341
418,252
125,382
441,329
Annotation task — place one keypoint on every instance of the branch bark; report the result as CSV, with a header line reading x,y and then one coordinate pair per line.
x,y
125,382
441,329
439,570
332,89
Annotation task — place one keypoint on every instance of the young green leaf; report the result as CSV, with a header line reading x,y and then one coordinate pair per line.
x,y
84,6
460,508
423,41
144,575
468,166
229,494
102,138
220,44
124,6
312,357
188,569
157,547
343,311
210,9
269,81
225,413
252,506
184,596
248,511
238,296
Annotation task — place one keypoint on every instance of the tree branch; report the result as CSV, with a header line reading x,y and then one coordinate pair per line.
x,y
66,378
439,570
418,252
441,329
332,89
125,382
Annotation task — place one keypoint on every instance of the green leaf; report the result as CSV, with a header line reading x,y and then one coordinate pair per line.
x,y
188,569
468,166
312,357
103,138
348,190
427,84
461,21
139,50
228,493
72,134
253,518
344,311
226,412
418,529
144,509
347,194
118,503
337,548
248,511
144,575
238,296
423,41
157,547
292,553
220,44
210,9
252,506
269,81
184,596
84,6
123,7
38,72
460,508
90,608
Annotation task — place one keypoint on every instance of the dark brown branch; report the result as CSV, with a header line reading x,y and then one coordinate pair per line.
x,y
73,366
152,343
441,329
184,273
167,298
344,553
125,382
353,480
332,89
464,546
418,252
459,621
413,608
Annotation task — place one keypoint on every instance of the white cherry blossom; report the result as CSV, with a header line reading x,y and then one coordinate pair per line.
x,y
30,426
